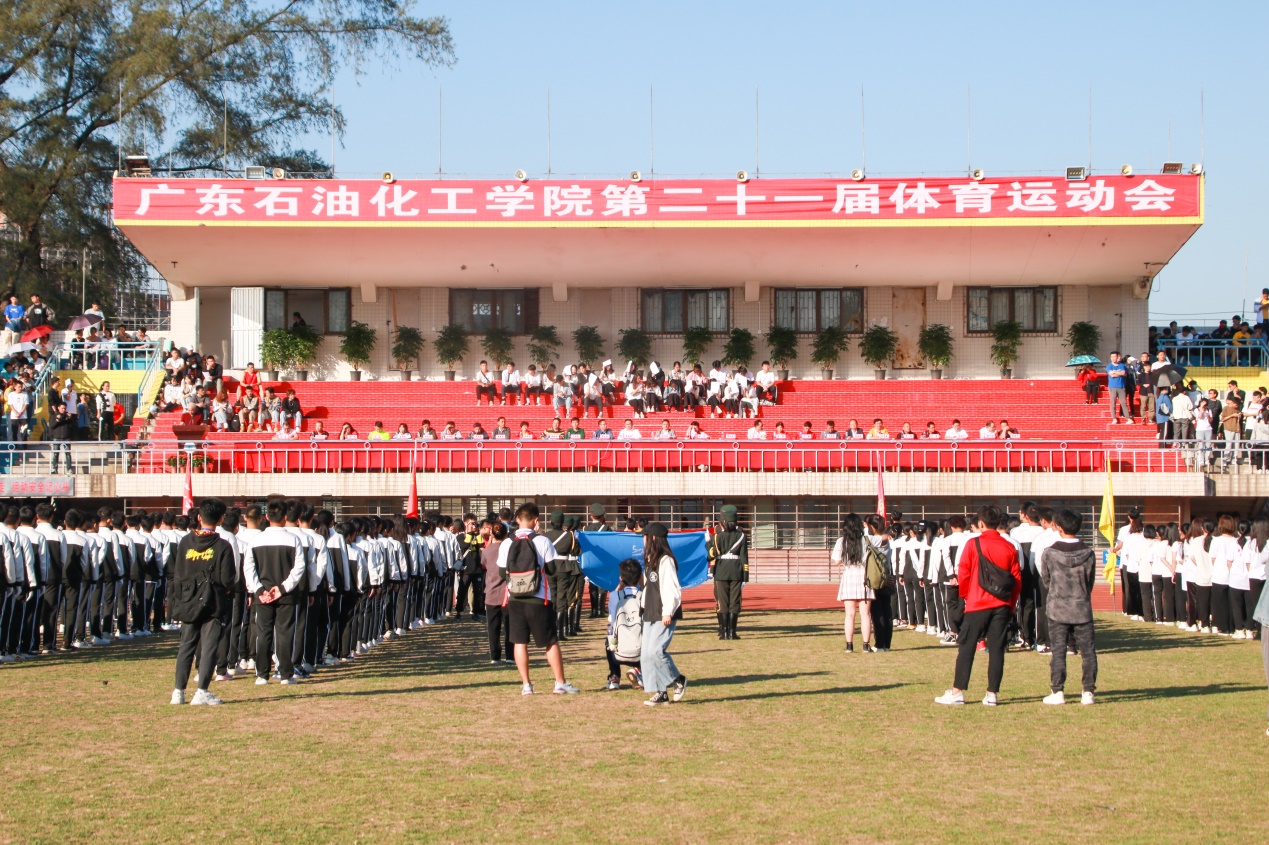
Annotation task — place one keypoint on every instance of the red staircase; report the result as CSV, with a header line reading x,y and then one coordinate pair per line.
x,y
1038,409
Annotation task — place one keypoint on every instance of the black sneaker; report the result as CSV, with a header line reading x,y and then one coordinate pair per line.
x,y
868,647
680,687
850,646
657,698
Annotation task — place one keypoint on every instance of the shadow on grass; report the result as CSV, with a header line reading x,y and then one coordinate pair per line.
x,y
751,679
1125,695
1120,639
758,696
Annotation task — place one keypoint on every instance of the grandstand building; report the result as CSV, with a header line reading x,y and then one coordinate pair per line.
x,y
244,256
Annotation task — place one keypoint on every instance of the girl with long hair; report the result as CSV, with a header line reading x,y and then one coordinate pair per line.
x,y
1152,550
1240,585
1199,575
662,603
1128,546
853,592
1223,550
1257,552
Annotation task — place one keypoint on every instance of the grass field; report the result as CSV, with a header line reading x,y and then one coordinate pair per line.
x,y
783,738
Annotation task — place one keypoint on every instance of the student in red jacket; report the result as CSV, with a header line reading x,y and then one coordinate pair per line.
x,y
985,615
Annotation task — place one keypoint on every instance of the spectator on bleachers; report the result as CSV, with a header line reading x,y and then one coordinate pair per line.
x,y
562,396
402,433
675,385
807,433
634,397
347,432
173,395
756,431
697,386
319,432
174,364
221,409
250,378
270,411
853,431
906,433
878,431
379,433
714,398
765,379
486,384
593,397
525,433
665,432
198,406
988,431
931,432
1086,378
575,430
956,432
105,403
602,431
1006,432
750,399
830,432
554,432
477,432
285,433
248,410
533,386
426,432
511,384
694,432
500,431
731,395
629,432
292,415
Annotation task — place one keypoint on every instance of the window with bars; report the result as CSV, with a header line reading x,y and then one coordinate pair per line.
x,y
815,309
1035,308
479,310
674,311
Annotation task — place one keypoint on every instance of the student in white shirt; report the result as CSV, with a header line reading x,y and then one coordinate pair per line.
x,y
1257,552
1240,585
629,432
765,379
1223,550
756,432
511,384
956,432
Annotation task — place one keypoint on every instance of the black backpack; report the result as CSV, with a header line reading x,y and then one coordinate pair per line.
x,y
192,598
524,573
994,580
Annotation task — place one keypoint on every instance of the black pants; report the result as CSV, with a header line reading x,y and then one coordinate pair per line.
x,y
1180,601
92,608
499,633
1164,600
1146,585
489,391
1238,607
882,612
1131,592
916,600
1253,598
955,607
1202,600
201,638
992,624
614,665
597,603
227,648
728,596
1041,612
275,624
1060,634
475,582
159,605
299,628
1221,617
48,607
317,628
933,603
74,603
1025,615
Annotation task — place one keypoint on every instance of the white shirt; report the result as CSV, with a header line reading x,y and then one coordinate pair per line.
x,y
956,434
756,433
629,434
1223,551
987,433
546,554
1046,538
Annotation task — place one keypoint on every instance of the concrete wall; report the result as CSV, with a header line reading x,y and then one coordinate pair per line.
x,y
1042,356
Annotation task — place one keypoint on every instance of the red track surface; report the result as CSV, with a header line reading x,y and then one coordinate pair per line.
x,y
818,597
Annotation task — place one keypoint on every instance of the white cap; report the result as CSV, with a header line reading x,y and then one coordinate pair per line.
x,y
608,363
653,368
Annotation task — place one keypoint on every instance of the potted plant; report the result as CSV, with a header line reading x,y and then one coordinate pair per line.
x,y
304,341
589,344
783,343
739,349
406,349
935,346
451,347
497,344
829,345
357,346
1006,338
695,341
635,345
877,347
277,352
1083,338
542,345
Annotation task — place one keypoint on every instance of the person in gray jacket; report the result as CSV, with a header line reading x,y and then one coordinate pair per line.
x,y
1068,571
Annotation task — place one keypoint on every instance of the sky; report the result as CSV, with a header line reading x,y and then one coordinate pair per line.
x,y
704,88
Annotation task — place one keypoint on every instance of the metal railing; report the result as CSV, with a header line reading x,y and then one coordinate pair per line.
x,y
105,355
269,456
1209,352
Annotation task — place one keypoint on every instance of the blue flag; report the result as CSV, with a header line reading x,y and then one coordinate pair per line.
x,y
602,551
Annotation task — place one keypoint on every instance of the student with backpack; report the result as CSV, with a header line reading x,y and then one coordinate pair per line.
x,y
989,579
527,558
662,602
624,645
203,575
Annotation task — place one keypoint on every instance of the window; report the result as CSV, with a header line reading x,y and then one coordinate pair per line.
x,y
675,311
1035,308
814,310
325,310
480,310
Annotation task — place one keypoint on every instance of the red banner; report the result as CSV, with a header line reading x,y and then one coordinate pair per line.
x,y
687,202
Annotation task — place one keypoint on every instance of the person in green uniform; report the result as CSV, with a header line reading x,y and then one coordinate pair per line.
x,y
598,598
729,564
565,543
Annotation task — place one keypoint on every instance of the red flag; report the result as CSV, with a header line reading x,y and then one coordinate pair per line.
x,y
187,500
412,504
881,496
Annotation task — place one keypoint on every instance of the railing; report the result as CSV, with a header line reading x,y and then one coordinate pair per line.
x,y
153,381
105,355
1208,352
269,456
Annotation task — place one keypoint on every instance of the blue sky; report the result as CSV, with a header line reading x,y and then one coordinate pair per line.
x,y
1028,65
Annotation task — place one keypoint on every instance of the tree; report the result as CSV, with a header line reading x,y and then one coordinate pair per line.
x,y
199,87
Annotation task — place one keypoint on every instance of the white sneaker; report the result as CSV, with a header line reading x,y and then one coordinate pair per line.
x,y
400,632
232,671
566,689
219,677
920,629
307,667
1086,698
1238,635
99,641
527,689
178,696
122,636
951,698
331,660
989,700
80,644
1058,697
1205,629
260,682
288,682
242,666
251,663
204,697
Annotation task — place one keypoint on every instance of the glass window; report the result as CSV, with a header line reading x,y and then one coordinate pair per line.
x,y
338,307
674,311
1034,308
275,310
812,310
327,311
480,310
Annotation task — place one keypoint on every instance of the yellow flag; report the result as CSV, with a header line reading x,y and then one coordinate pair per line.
x,y
1106,525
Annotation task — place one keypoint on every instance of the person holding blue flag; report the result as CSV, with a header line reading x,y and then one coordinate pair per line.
x,y
662,602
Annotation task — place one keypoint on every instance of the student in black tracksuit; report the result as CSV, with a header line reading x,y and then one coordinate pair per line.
x,y
74,572
202,556
274,567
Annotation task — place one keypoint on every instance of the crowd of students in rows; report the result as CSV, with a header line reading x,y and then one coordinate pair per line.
x,y
1204,577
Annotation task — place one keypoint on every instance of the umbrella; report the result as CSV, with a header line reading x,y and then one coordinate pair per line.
x,y
1167,375
1081,360
19,348
83,321
37,333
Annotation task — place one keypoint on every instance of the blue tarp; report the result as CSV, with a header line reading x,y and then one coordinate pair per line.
x,y
602,551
